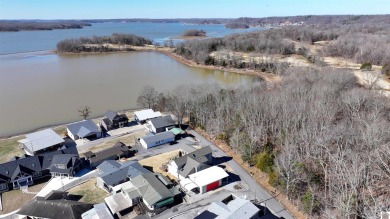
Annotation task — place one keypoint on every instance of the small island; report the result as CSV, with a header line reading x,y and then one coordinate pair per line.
x,y
115,42
237,25
191,34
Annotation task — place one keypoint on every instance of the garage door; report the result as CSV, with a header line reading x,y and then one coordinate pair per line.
x,y
212,186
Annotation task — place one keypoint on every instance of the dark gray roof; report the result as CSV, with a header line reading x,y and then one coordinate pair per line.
x,y
151,188
161,122
55,208
118,149
83,128
198,155
70,161
158,137
191,165
31,164
115,174
107,121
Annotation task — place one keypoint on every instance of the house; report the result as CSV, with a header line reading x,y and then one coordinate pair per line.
x,y
161,124
23,171
41,141
65,165
152,191
54,206
190,163
99,211
157,139
231,207
208,179
144,115
117,151
113,120
83,129
112,173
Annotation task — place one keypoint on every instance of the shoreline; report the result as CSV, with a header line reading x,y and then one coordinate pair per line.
x,y
269,77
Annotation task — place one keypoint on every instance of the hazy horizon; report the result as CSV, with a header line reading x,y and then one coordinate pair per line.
x,y
182,9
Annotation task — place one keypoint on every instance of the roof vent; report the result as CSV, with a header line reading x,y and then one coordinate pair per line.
x,y
33,164
7,172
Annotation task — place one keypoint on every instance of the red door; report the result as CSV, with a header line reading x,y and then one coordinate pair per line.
x,y
212,186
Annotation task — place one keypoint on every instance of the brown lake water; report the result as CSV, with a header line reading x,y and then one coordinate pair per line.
x,y
41,89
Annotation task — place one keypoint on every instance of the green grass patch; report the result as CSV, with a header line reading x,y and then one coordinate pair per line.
x,y
9,148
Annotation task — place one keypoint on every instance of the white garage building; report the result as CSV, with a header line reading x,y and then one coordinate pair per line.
x,y
208,179
157,139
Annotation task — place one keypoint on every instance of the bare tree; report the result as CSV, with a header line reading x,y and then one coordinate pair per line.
x,y
85,112
147,97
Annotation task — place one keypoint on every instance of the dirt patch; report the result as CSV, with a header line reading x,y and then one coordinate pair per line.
x,y
15,199
260,177
89,191
9,148
155,162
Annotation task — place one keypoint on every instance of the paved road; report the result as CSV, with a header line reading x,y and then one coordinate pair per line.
x,y
260,193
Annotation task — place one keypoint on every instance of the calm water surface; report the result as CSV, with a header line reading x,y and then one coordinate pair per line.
x,y
39,89
27,41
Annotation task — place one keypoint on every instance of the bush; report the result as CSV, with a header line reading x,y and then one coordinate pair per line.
x,y
386,70
273,178
309,202
366,66
265,161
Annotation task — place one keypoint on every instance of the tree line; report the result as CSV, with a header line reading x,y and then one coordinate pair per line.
x,y
323,140
80,44
13,26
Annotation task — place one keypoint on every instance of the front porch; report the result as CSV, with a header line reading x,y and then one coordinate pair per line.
x,y
22,182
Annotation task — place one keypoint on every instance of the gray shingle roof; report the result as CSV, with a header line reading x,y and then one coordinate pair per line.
x,y
110,115
161,122
158,137
99,211
83,128
198,155
151,188
115,174
42,139
60,208
70,161
118,149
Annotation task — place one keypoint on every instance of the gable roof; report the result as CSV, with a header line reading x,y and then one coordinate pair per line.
x,y
235,208
146,114
99,211
41,139
198,155
161,122
56,208
118,149
110,115
151,188
30,164
112,173
191,165
70,161
158,137
83,128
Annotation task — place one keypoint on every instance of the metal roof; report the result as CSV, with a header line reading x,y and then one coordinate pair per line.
x,y
161,122
118,202
99,211
237,208
83,128
42,139
158,137
207,176
146,114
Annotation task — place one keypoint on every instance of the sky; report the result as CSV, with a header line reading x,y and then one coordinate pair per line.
x,y
110,9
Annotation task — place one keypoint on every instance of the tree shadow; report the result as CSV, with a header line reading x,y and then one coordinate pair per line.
x,y
265,213
219,160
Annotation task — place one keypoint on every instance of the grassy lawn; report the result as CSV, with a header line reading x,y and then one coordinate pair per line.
x,y
155,162
90,192
15,199
9,148
127,140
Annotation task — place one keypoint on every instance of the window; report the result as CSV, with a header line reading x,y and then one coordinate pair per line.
x,y
3,186
37,174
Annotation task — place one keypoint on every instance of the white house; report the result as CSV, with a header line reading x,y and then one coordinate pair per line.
x,y
190,163
208,179
83,129
143,115
158,139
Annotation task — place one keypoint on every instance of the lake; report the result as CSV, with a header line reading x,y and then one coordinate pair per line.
x,y
39,89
